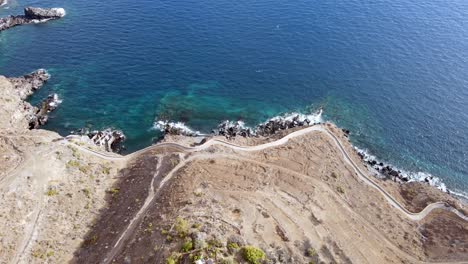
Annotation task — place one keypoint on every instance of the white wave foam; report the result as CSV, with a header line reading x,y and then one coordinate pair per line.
x,y
60,11
4,3
314,118
180,127
411,176
56,101
39,21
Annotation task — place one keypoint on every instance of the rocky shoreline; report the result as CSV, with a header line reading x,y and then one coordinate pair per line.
x,y
110,139
32,15
231,130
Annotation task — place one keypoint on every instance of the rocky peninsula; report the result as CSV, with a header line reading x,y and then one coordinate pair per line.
x,y
299,195
32,15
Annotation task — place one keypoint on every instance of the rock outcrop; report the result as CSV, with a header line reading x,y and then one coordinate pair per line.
x,y
25,86
111,140
41,113
32,15
231,129
29,83
19,114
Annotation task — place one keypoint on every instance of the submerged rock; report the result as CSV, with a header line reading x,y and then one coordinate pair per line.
x,y
32,15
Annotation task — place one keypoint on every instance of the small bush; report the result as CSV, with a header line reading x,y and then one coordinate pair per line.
x,y
106,170
340,189
73,163
51,192
311,252
186,246
334,175
181,227
252,254
233,245
170,260
114,191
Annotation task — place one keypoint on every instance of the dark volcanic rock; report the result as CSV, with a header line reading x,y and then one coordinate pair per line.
x,y
44,13
175,128
41,113
32,15
231,129
111,139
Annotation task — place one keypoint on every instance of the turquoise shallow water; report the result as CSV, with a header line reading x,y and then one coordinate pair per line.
x,y
391,71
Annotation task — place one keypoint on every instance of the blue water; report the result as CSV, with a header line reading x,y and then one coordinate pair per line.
x,y
394,72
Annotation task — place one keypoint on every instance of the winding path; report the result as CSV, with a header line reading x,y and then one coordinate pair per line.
x,y
362,175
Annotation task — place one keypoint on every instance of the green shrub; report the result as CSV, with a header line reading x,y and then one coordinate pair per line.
x,y
186,246
170,260
233,245
181,227
252,254
311,252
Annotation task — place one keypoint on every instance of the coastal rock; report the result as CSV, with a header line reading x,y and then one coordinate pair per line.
x,y
29,83
41,115
44,13
32,15
111,140
175,128
232,129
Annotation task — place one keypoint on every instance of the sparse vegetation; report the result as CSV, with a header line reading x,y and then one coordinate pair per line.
x,y
114,191
51,192
149,228
311,252
106,170
171,260
181,227
75,152
87,192
252,254
73,163
233,245
215,243
186,246
340,189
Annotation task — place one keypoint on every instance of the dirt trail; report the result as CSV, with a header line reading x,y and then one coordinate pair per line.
x,y
363,176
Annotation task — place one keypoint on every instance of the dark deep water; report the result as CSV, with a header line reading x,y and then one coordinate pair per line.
x,y
394,72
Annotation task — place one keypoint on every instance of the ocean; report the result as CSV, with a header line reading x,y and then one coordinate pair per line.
x,y
394,72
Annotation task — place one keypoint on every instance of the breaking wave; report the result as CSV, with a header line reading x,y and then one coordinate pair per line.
x,y
408,175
